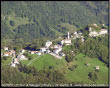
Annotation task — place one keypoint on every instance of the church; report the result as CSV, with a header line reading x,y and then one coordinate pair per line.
x,y
66,41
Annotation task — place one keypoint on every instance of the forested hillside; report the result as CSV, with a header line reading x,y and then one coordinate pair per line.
x,y
26,21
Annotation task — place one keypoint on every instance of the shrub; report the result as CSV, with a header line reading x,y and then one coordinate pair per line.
x,y
93,76
12,23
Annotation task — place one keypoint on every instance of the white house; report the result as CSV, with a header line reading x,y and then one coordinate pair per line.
x,y
103,31
82,38
5,48
95,25
48,51
66,41
97,67
75,33
56,51
93,34
21,57
22,51
33,52
62,54
43,49
90,29
103,24
13,64
57,46
80,33
12,52
48,43
39,53
6,54
16,61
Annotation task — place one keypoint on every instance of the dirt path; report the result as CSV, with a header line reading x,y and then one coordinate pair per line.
x,y
32,60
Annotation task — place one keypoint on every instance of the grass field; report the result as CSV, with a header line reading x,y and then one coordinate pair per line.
x,y
70,27
80,74
2,50
6,62
45,61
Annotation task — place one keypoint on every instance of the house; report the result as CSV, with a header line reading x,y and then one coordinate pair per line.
x,y
16,61
97,68
48,44
5,48
66,41
80,33
22,51
59,37
103,24
1,54
62,54
75,33
47,51
6,54
12,52
90,29
33,52
57,46
13,64
93,34
82,38
103,31
39,53
57,50
43,49
95,25
21,57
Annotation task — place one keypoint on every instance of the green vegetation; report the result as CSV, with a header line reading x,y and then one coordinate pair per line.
x,y
45,61
30,24
51,20
80,74
6,60
75,71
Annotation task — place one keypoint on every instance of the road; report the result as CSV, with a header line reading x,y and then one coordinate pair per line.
x,y
32,60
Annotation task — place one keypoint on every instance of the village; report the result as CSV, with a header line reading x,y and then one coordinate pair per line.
x,y
50,48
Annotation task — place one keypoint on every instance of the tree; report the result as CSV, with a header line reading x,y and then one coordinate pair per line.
x,y
5,57
12,23
17,49
29,57
93,76
69,56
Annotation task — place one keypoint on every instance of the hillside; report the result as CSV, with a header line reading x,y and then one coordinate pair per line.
x,y
78,74
31,20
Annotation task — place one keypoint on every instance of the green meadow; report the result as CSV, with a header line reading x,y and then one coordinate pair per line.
x,y
79,74
6,62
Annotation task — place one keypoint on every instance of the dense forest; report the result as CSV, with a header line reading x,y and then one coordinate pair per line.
x,y
25,21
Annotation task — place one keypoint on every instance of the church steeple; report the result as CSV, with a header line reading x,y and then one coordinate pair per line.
x,y
68,35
